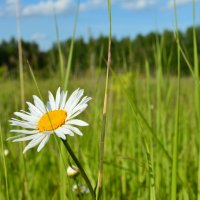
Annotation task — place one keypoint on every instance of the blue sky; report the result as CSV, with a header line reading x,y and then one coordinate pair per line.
x,y
130,17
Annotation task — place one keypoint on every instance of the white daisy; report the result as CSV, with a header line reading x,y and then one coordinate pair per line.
x,y
56,117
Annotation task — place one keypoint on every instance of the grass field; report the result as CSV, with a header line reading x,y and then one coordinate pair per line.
x,y
126,168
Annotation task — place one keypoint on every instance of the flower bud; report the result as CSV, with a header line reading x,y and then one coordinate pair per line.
x,y
6,152
72,171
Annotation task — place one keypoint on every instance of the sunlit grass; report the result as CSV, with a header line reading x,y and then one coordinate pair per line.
x,y
126,168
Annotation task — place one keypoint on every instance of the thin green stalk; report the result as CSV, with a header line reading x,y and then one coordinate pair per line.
x,y
176,131
149,153
59,50
69,62
159,105
22,91
186,59
21,73
35,81
151,171
4,165
61,166
84,175
100,171
148,90
197,92
101,56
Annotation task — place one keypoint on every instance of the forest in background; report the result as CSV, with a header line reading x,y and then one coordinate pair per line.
x,y
127,54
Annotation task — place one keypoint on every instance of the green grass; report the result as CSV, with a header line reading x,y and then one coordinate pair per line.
x,y
151,150
126,169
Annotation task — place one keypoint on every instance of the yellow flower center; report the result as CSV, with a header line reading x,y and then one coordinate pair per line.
x,y
52,120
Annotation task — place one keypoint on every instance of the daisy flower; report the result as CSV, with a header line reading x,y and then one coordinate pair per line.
x,y
56,117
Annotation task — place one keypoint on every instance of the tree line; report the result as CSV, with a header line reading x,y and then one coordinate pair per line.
x,y
158,49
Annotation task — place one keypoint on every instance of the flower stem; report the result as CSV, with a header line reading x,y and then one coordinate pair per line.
x,y
83,174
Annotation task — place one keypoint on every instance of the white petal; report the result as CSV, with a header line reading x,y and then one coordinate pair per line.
x,y
16,136
74,129
71,99
84,101
75,101
77,122
34,110
25,112
60,134
42,144
80,106
25,131
30,137
66,131
76,109
52,101
22,124
48,106
70,116
27,117
13,120
34,142
39,104
58,98
63,99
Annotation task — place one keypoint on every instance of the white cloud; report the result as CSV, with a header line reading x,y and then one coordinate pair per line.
x,y
12,1
43,7
137,4
11,5
179,2
125,4
90,4
38,37
47,7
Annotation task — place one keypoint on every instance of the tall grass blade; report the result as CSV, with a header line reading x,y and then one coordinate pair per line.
x,y
22,92
61,61
21,73
149,152
150,165
176,130
4,165
69,61
197,92
101,158
62,167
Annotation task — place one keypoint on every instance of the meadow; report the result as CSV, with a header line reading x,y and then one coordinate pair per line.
x,y
151,132
126,169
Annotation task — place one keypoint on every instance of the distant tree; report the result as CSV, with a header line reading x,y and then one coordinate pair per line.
x,y
127,53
